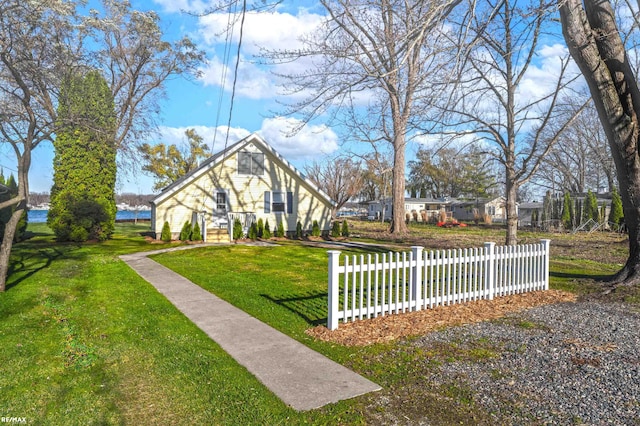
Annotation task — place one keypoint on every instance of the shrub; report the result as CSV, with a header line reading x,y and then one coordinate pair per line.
x,y
78,234
315,229
298,230
71,211
335,229
237,229
260,228
253,231
196,234
345,228
280,230
166,233
22,227
185,233
267,230
616,214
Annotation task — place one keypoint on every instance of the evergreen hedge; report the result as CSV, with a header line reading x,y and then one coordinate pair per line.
x,y
253,231
185,233
335,229
267,230
315,229
260,228
345,228
196,234
165,235
237,230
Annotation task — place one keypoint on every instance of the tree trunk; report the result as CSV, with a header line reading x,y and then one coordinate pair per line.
x,y
512,212
398,225
7,243
595,44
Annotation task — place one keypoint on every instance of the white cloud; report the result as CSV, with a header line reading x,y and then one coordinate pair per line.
x,y
252,82
308,143
542,76
272,30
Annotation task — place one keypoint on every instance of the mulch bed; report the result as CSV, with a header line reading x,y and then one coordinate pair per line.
x,y
392,327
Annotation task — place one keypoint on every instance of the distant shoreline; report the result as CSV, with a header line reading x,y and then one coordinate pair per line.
x,y
40,216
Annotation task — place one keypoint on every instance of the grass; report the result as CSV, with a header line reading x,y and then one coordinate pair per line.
x,y
86,341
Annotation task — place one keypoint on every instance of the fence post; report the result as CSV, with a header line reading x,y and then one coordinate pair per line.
x,y
490,268
334,289
416,276
546,244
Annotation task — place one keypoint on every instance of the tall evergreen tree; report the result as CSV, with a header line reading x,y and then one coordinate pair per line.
x,y
83,194
591,207
567,214
8,191
616,214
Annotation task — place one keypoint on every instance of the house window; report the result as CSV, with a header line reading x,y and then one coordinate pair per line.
x,y
221,202
251,163
278,202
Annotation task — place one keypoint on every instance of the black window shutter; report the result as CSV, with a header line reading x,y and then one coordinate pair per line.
x,y
267,202
289,202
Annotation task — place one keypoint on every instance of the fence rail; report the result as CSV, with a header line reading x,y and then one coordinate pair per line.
x,y
367,286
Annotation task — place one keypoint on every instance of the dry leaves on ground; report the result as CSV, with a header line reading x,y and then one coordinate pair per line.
x,y
392,327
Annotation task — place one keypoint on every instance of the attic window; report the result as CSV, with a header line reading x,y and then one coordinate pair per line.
x,y
251,163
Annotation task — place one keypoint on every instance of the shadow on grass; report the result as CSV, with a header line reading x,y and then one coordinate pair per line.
x,y
311,307
26,263
581,276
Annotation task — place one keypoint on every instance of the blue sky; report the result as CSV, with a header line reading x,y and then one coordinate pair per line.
x,y
194,104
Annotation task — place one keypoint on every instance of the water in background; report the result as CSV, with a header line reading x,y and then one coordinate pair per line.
x,y
40,216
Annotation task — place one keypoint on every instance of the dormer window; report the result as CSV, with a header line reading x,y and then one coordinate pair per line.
x,y
250,163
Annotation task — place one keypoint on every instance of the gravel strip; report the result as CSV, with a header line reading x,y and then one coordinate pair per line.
x,y
569,363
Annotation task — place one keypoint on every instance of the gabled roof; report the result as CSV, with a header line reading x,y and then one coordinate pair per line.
x,y
219,157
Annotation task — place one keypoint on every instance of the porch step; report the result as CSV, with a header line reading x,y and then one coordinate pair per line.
x,y
218,236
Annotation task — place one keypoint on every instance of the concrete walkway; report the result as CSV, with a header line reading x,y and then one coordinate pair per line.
x,y
299,376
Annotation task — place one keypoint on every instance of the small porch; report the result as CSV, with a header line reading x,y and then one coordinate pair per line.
x,y
220,230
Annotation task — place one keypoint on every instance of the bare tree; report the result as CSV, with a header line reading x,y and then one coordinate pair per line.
x,y
594,40
136,62
450,172
340,178
35,51
490,99
580,160
376,54
41,42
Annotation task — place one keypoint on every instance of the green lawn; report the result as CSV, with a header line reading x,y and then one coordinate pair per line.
x,y
86,341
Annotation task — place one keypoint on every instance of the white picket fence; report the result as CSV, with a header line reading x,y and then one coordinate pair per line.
x,y
391,283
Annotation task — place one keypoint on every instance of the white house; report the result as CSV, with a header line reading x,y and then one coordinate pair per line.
x,y
247,181
415,207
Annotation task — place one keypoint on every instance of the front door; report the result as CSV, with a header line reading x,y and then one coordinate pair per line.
x,y
220,208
